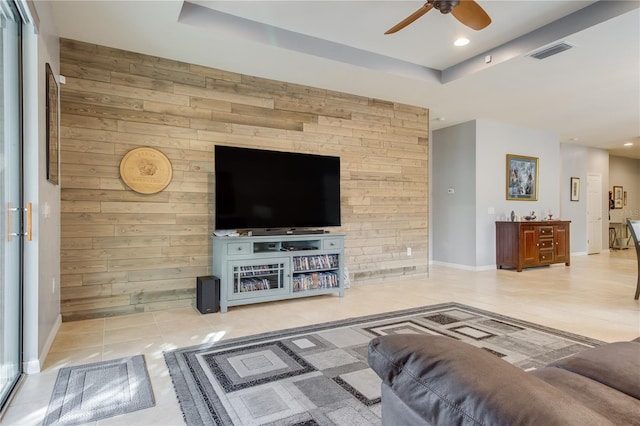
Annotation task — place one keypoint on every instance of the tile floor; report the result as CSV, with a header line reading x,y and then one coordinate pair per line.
x,y
593,297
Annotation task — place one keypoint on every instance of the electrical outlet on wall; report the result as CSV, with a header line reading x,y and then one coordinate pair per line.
x,y
409,251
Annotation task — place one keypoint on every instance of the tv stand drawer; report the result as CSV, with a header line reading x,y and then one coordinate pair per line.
x,y
332,243
236,249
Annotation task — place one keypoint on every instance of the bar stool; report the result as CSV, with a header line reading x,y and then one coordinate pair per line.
x,y
612,236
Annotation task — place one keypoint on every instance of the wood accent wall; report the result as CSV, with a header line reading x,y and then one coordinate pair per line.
x,y
124,252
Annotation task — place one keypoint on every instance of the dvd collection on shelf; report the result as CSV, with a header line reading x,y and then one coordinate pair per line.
x,y
254,277
243,281
309,263
252,284
314,281
253,270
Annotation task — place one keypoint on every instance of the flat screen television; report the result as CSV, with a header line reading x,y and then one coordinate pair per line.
x,y
271,190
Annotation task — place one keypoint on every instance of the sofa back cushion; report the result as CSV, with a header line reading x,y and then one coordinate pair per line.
x,y
618,407
616,365
448,382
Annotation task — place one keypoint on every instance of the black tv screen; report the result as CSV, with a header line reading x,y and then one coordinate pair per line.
x,y
260,189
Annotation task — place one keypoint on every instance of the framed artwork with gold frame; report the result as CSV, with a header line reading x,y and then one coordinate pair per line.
x,y
617,197
522,178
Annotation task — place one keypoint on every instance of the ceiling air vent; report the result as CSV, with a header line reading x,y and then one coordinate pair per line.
x,y
551,50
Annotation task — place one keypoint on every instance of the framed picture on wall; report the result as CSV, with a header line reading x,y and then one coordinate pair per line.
x,y
52,138
617,197
575,189
522,178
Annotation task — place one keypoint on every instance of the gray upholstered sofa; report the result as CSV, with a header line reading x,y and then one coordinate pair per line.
x,y
438,380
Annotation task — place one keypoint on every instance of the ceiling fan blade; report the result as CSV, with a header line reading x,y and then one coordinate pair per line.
x,y
471,14
409,19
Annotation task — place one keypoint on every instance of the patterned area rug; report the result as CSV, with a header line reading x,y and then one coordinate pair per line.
x,y
90,392
318,375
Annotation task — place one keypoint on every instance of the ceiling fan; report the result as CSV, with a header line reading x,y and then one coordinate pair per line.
x,y
466,11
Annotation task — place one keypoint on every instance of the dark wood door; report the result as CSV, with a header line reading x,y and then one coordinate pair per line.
x,y
530,247
562,244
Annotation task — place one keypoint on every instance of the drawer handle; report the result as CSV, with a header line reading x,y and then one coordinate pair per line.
x,y
239,248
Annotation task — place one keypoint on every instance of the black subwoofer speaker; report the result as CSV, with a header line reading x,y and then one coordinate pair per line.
x,y
208,294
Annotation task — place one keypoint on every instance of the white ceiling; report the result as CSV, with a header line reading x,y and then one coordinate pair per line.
x,y
588,95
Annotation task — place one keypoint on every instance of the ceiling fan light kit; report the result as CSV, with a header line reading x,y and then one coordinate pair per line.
x,y
445,6
467,12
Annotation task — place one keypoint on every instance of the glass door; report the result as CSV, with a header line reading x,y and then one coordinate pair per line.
x,y
11,212
257,278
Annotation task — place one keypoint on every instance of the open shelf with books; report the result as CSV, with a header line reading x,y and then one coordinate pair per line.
x,y
315,272
266,268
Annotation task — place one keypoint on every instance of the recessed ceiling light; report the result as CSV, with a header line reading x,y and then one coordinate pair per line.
x,y
628,144
461,41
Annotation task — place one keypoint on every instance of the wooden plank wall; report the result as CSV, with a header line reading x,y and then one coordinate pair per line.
x,y
123,252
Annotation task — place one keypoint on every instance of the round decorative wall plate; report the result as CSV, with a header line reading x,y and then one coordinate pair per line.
x,y
146,170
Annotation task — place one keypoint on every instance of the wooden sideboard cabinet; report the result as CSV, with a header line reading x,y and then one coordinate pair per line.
x,y
527,244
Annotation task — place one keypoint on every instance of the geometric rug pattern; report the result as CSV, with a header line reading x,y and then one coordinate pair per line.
x,y
85,393
318,375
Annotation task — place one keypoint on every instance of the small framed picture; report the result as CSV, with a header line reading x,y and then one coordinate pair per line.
x,y
617,197
575,189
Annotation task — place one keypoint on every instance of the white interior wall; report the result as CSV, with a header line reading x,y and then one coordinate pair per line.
x,y
494,141
452,167
471,159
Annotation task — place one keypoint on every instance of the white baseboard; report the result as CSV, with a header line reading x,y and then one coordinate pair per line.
x,y
31,367
464,267
34,366
484,267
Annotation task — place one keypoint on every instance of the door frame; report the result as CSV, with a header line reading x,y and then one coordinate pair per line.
x,y
13,205
594,201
